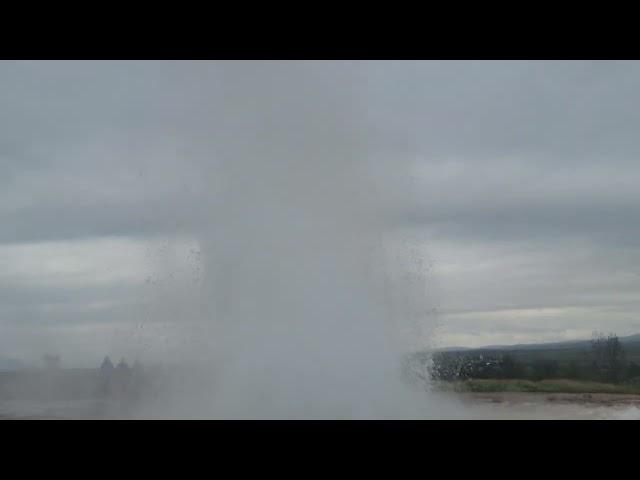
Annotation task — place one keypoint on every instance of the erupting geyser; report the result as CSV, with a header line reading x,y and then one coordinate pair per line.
x,y
297,304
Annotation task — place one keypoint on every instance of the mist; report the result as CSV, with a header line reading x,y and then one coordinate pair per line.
x,y
300,306
251,239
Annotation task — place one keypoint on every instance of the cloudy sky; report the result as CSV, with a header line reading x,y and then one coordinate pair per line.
x,y
523,185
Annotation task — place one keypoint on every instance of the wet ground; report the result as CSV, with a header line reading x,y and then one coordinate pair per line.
x,y
61,410
557,406
473,406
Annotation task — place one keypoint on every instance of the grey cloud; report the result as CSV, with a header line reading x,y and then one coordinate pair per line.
x,y
522,157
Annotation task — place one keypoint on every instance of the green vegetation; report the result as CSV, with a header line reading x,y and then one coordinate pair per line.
x,y
600,366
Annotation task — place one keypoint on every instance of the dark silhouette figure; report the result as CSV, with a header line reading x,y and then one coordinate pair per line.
x,y
106,377
122,377
107,366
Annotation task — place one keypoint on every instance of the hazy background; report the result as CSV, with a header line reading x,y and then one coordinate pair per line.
x,y
515,181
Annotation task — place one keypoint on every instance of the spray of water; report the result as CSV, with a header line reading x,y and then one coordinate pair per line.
x,y
301,303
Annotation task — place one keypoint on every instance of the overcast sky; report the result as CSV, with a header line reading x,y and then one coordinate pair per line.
x,y
523,185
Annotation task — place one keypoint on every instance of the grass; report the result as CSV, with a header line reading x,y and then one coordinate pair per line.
x,y
542,386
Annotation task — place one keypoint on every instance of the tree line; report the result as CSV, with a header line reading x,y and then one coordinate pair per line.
x,y
604,361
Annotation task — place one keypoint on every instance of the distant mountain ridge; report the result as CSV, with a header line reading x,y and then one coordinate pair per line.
x,y
10,364
628,340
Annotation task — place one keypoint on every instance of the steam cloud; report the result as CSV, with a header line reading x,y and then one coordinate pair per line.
x,y
298,313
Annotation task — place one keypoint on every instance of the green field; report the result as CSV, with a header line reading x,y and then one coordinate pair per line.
x,y
542,386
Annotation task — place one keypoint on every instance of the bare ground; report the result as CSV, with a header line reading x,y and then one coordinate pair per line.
x,y
523,405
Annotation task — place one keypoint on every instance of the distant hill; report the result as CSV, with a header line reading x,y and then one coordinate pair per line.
x,y
452,349
577,351
538,346
10,364
630,340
